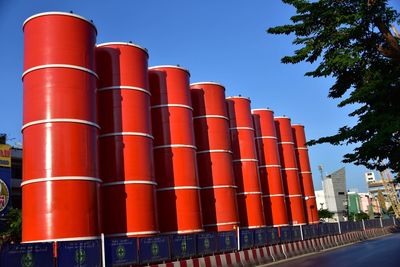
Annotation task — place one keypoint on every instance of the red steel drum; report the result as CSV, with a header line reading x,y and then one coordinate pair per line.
x,y
214,157
178,196
125,141
245,164
290,172
305,174
275,210
60,185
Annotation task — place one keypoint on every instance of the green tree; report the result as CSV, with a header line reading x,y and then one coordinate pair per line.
x,y
351,41
325,214
13,226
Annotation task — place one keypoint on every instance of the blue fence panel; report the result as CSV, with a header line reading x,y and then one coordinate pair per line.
x,y
227,241
344,227
32,255
285,234
79,253
154,249
331,228
323,229
296,233
246,238
306,232
206,243
183,246
387,222
314,228
272,235
260,237
121,251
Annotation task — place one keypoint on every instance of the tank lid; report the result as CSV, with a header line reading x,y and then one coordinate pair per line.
x,y
261,109
61,14
123,43
238,96
282,117
169,66
212,83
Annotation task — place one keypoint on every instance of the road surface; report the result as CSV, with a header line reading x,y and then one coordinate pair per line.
x,y
380,252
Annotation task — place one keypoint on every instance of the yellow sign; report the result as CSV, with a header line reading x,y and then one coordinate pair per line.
x,y
5,155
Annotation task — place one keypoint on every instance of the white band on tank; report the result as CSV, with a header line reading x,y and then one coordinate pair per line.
x,y
178,188
60,120
294,196
175,146
126,134
124,87
132,234
274,195
285,143
171,105
214,151
269,166
280,225
61,178
266,137
253,227
248,193
301,148
211,116
306,172
241,128
220,224
218,186
245,160
289,169
65,66
183,231
129,182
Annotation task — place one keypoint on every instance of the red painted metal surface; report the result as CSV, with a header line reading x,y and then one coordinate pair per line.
x,y
274,202
290,172
245,164
178,195
125,140
60,185
305,174
214,157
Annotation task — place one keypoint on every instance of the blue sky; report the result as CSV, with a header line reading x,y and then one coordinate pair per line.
x,y
223,41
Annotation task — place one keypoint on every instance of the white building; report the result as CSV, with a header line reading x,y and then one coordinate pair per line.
x,y
370,177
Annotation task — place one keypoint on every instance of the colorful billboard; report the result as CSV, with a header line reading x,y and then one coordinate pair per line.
x,y
5,187
5,155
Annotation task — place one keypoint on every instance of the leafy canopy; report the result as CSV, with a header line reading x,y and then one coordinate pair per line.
x,y
352,41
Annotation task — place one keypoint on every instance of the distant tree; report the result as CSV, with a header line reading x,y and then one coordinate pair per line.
x,y
13,226
351,41
325,214
358,216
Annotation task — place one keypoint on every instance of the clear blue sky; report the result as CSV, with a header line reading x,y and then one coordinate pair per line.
x,y
223,41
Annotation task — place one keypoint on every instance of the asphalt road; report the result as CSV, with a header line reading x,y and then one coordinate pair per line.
x,y
381,252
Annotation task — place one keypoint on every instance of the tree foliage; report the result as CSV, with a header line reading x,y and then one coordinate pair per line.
x,y
13,226
358,216
352,41
325,214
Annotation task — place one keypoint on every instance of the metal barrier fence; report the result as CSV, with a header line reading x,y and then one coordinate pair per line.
x,y
161,248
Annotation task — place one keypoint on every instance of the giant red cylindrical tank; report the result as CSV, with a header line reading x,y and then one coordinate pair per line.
x,y
245,166
60,188
125,141
178,195
214,157
290,172
274,202
305,174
